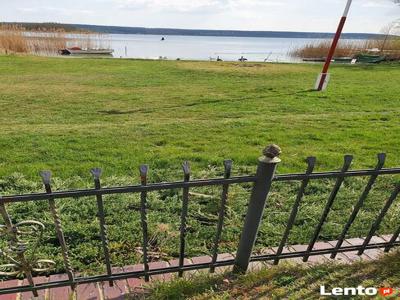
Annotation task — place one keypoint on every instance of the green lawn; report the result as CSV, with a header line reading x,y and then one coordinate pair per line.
x,y
69,115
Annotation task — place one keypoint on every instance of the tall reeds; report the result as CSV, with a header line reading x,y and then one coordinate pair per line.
x,y
321,48
88,40
16,39
387,44
12,40
389,47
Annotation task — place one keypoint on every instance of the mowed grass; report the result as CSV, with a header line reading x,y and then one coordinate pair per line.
x,y
70,115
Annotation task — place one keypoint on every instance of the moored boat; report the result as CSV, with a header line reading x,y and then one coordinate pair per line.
x,y
335,59
342,59
360,58
79,51
314,59
368,58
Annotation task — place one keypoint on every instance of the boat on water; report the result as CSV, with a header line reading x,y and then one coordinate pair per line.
x,y
335,59
314,59
361,58
343,60
80,51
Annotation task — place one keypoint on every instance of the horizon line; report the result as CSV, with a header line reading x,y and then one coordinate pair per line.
x,y
189,29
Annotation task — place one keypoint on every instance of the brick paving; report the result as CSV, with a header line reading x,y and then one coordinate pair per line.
x,y
136,286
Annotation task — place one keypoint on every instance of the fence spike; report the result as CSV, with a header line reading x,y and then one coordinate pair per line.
x,y
143,169
311,161
46,177
347,161
381,159
228,163
96,172
186,169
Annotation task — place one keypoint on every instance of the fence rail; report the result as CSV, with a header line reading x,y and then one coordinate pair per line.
x,y
26,235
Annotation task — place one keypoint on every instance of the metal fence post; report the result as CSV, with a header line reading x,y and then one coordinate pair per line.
x,y
265,173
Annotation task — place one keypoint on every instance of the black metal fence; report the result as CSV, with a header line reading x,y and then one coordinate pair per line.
x,y
22,237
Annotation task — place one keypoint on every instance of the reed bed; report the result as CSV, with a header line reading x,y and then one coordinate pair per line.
x,y
12,40
88,40
16,40
390,47
321,48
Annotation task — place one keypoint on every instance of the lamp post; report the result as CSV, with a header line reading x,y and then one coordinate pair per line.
x,y
323,78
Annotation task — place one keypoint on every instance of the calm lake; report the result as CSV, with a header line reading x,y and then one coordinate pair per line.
x,y
203,47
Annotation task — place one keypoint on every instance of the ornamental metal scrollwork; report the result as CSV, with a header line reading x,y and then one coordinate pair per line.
x,y
23,240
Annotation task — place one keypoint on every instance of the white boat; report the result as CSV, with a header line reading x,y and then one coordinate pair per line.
x,y
79,51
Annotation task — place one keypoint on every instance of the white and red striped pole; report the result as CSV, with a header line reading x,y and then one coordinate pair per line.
x,y
322,80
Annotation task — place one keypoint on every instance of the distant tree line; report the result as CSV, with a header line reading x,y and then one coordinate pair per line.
x,y
45,27
191,32
227,33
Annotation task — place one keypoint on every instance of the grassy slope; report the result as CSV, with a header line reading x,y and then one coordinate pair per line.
x,y
286,282
72,114
69,115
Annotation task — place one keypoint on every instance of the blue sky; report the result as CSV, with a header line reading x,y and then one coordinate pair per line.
x,y
292,15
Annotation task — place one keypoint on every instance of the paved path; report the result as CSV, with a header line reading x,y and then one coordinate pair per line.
x,y
123,288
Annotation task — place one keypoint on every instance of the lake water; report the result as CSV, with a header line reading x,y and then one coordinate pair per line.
x,y
204,48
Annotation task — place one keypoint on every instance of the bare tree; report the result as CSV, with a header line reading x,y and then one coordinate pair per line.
x,y
390,31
